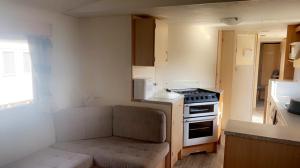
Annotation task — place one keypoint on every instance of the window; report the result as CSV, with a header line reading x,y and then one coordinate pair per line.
x,y
27,62
15,73
8,63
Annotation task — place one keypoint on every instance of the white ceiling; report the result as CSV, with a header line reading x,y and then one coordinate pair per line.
x,y
202,11
262,15
250,12
57,5
269,17
118,7
79,8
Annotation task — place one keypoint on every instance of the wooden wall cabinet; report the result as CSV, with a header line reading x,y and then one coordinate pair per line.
x,y
161,43
293,35
149,41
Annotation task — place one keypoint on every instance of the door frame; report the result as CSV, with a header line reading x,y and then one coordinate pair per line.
x,y
257,59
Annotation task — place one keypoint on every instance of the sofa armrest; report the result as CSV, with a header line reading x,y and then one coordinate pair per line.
x,y
139,123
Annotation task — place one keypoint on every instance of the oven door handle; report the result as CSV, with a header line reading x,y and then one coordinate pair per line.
x,y
203,128
198,110
201,104
204,119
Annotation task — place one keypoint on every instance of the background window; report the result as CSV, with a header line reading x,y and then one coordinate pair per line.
x,y
8,63
16,79
27,62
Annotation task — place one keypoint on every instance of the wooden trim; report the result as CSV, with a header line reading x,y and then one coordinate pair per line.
x,y
256,70
209,147
132,55
168,160
133,39
219,56
282,58
180,155
154,27
226,71
176,131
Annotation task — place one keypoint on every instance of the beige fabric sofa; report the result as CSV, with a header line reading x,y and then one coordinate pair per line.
x,y
50,158
122,136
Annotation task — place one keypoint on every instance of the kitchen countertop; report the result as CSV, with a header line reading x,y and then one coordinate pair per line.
x,y
288,134
163,97
277,134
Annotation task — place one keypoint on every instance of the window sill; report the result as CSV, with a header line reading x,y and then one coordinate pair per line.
x,y
21,104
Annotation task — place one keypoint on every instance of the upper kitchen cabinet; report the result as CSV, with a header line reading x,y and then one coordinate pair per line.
x,y
149,41
295,48
161,42
290,61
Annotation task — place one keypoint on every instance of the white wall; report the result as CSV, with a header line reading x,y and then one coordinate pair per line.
x,y
143,72
27,129
106,58
297,74
243,77
192,57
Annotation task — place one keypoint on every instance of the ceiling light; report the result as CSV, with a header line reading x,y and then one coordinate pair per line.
x,y
230,21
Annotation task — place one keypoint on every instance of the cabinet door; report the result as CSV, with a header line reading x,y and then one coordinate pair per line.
x,y
161,43
143,41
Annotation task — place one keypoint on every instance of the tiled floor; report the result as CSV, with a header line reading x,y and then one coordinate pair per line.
x,y
204,160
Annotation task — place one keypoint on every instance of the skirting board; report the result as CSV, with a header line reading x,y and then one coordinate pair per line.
x,y
209,148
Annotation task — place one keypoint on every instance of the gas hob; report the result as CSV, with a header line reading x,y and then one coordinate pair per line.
x,y
197,95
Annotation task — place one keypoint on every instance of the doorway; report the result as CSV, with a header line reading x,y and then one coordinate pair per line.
x,y
268,68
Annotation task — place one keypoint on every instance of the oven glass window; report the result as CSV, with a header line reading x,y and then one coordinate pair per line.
x,y
202,109
200,129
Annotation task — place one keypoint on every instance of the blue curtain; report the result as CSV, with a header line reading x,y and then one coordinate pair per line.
x,y
40,51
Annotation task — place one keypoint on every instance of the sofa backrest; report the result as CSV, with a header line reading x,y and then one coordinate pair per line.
x,y
139,123
82,123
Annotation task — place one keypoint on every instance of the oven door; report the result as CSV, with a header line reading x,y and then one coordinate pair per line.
x,y
200,109
200,130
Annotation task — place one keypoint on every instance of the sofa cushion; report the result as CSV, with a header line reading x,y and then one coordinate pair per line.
x,y
53,158
139,123
117,152
82,123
